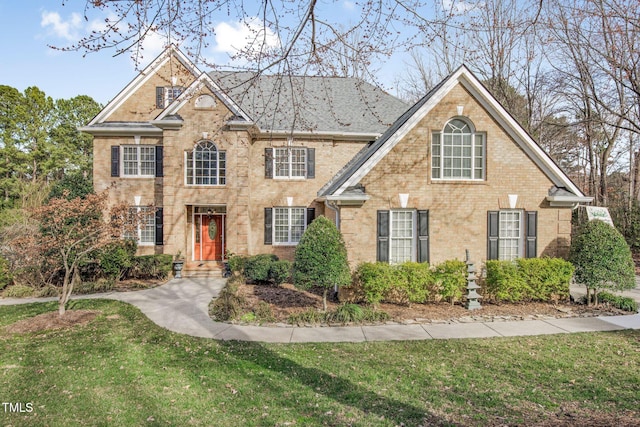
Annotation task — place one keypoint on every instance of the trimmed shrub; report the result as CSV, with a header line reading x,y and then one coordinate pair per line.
x,y
375,279
19,291
418,279
5,273
451,279
150,267
548,279
504,282
116,258
279,271
236,263
256,268
321,258
602,258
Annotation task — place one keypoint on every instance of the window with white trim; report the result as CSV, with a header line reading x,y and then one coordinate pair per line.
x,y
288,225
510,241
206,165
401,236
290,162
458,152
138,160
145,231
165,95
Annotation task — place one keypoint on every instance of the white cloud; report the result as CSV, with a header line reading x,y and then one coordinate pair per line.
x,y
248,37
67,30
459,7
349,5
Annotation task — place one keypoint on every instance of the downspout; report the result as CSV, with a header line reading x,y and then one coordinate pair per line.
x,y
337,212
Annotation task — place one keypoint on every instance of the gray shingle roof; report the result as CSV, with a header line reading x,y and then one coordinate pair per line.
x,y
367,151
317,104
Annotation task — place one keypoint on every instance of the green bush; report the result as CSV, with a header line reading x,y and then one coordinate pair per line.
x,y
346,313
623,303
279,271
504,282
150,267
451,279
236,263
417,281
5,273
116,258
548,279
321,258
375,279
256,268
602,258
19,291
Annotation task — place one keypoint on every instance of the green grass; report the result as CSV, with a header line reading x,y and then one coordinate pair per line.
x,y
121,369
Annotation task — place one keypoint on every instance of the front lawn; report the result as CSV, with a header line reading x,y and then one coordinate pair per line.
x,y
121,369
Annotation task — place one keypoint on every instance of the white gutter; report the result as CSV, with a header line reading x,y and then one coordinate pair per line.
x,y
121,131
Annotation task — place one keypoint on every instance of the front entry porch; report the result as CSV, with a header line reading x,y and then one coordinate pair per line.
x,y
209,232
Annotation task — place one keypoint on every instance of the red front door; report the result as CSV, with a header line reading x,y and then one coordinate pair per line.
x,y
209,241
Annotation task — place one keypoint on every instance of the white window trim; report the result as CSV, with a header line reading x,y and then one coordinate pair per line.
x,y
170,90
474,135
138,231
289,162
414,234
521,239
193,168
289,209
138,174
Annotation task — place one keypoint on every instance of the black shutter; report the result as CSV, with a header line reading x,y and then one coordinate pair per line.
x,y
268,162
383,237
268,226
115,160
311,215
531,230
159,227
159,97
493,232
159,161
311,162
423,236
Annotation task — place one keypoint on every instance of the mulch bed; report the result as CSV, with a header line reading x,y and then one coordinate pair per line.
x,y
286,300
52,321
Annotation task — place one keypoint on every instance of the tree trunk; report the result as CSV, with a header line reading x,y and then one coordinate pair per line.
x,y
588,297
324,299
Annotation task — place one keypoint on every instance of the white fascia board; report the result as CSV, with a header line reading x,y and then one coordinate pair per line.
x,y
121,131
203,79
519,135
567,201
399,134
141,78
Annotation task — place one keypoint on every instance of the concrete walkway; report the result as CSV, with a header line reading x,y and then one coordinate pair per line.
x,y
181,305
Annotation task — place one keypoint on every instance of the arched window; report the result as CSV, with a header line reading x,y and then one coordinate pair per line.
x,y
458,152
206,165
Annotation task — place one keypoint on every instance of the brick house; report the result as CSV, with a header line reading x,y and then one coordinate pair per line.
x,y
242,163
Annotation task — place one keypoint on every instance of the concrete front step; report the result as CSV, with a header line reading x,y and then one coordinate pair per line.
x,y
203,269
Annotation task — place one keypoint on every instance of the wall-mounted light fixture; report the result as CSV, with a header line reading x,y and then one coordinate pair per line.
x,y
404,199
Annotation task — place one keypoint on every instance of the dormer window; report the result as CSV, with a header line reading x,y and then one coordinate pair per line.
x,y
165,95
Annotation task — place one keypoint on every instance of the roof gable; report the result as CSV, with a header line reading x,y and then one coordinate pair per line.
x,y
203,80
141,78
371,155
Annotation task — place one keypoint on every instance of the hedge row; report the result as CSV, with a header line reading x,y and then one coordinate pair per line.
x,y
410,282
527,279
261,269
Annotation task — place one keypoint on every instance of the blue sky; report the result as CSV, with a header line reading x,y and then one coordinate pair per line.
x,y
28,27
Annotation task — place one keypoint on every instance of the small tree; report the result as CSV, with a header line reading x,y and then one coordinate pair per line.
x,y
70,230
321,258
602,259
